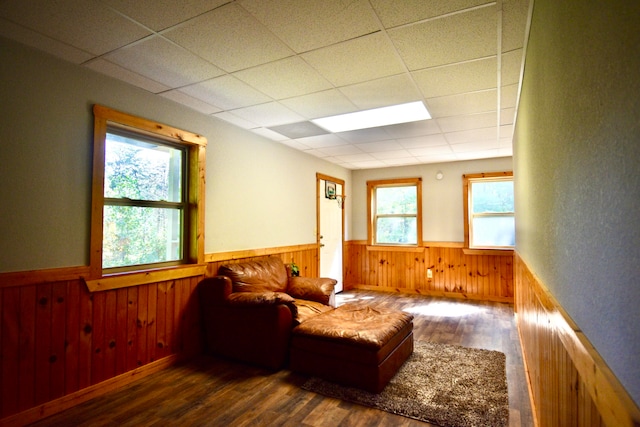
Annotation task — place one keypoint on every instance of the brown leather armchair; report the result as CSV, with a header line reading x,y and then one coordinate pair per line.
x,y
249,309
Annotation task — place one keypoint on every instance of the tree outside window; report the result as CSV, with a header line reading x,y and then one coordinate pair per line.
x,y
395,212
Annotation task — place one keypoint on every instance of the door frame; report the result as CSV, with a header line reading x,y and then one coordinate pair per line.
x,y
320,193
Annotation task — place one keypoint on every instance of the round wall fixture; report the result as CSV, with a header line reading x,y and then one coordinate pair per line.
x,y
439,175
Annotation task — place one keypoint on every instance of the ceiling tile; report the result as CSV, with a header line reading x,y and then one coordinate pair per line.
x,y
507,116
236,120
269,114
320,104
370,164
322,141
308,25
75,22
508,96
394,12
472,135
189,101
466,103
475,146
514,23
294,144
423,141
511,65
393,90
430,151
299,130
438,158
226,92
411,129
372,147
395,154
472,121
454,38
230,38
341,150
474,155
353,158
401,161
161,14
268,133
354,61
116,71
36,40
458,78
164,62
364,135
285,78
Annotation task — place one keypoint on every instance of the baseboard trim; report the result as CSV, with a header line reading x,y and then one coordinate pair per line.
x,y
456,295
58,405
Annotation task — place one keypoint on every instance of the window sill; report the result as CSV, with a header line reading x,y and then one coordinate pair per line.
x,y
135,278
494,252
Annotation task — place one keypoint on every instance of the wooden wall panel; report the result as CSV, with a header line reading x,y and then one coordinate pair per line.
x,y
455,274
61,344
58,339
570,385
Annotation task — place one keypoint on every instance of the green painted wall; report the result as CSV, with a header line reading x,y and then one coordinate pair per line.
x,y
577,170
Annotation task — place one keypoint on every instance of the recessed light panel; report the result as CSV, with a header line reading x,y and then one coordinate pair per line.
x,y
394,114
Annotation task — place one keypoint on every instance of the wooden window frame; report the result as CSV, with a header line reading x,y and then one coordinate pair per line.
x,y
466,194
401,182
196,150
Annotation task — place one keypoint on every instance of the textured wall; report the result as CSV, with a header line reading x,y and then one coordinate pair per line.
x,y
577,170
255,187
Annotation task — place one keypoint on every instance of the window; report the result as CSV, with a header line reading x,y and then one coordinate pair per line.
x,y
489,211
147,195
395,212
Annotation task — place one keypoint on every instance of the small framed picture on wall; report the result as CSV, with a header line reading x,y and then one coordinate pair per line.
x,y
330,190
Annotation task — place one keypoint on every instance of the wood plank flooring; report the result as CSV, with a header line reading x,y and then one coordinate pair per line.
x,y
213,392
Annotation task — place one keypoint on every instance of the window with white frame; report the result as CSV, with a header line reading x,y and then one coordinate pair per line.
x,y
395,212
489,211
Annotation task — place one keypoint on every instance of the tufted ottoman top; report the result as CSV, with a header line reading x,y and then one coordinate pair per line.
x,y
356,324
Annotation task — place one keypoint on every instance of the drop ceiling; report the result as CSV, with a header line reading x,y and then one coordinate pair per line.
x,y
273,65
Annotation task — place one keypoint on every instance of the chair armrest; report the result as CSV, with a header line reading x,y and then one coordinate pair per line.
x,y
215,290
319,289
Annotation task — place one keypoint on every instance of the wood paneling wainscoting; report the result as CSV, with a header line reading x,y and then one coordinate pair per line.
x,y
569,383
61,345
480,275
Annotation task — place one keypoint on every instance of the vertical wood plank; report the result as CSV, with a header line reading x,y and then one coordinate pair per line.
x,y
58,338
141,324
132,328
73,330
26,365
10,326
98,337
110,333
43,331
122,345
86,337
151,322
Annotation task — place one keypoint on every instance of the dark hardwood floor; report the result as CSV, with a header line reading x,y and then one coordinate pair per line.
x,y
215,392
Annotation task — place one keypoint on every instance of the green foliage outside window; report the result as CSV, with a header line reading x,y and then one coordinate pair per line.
x,y
143,195
396,215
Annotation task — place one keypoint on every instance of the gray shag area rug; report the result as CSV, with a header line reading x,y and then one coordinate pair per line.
x,y
443,384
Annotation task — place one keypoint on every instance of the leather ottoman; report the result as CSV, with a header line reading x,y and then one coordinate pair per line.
x,y
354,345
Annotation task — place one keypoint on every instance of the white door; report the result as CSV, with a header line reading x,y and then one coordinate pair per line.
x,y
330,232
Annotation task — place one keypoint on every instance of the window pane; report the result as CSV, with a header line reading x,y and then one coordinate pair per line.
x,y
493,231
396,231
140,170
139,235
396,200
492,196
